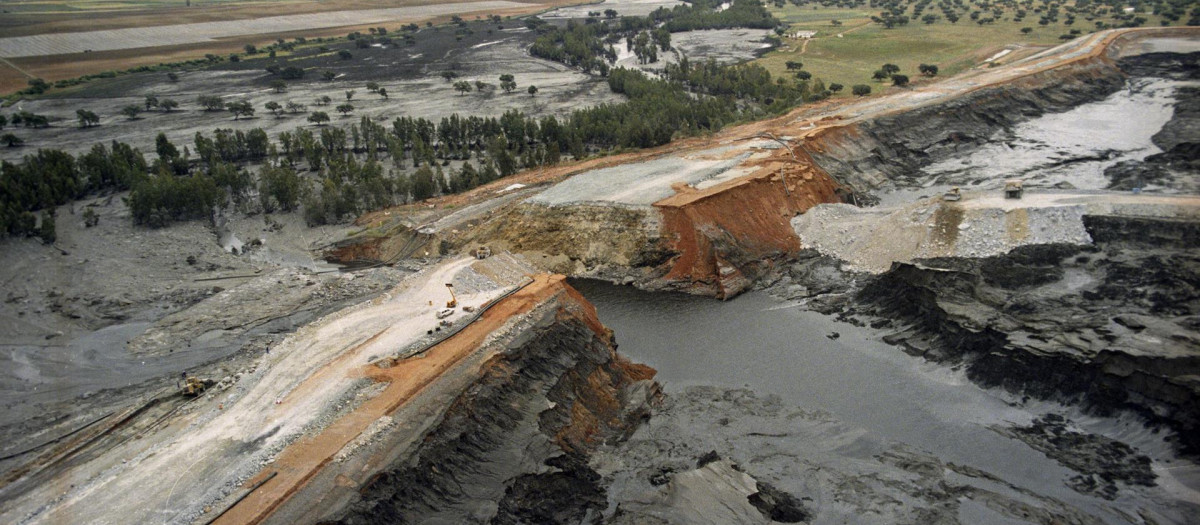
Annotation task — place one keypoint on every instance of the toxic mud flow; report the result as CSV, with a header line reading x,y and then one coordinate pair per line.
x,y
1069,150
813,361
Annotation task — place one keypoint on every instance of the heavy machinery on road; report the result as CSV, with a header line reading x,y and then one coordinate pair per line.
x,y
194,386
953,195
1013,188
453,300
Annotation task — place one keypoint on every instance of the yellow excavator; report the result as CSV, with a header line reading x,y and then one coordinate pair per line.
x,y
453,300
194,386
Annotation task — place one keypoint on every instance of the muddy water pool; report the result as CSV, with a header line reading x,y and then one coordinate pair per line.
x,y
1073,147
816,362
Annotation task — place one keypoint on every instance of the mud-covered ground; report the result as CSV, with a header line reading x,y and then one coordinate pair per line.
x,y
708,454
410,74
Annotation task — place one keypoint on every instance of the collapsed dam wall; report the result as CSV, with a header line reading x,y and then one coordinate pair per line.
x,y
724,240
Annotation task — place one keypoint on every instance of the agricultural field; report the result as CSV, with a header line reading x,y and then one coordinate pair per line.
x,y
851,43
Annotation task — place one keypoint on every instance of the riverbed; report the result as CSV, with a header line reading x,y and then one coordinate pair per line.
x,y
815,362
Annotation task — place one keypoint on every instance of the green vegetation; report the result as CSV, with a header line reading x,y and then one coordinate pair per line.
x,y
952,35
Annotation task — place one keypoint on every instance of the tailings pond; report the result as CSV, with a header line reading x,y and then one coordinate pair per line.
x,y
815,362
1068,150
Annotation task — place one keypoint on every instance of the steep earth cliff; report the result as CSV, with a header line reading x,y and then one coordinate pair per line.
x,y
513,447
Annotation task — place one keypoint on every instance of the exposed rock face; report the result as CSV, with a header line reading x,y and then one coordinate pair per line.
x,y
724,241
513,447
372,246
1114,324
893,148
617,243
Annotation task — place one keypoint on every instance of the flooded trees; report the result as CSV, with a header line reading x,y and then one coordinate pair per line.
x,y
508,83
87,118
319,118
240,109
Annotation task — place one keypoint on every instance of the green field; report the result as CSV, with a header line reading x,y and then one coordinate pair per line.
x,y
864,45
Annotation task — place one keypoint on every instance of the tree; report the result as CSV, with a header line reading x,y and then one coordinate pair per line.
x,y
861,90
383,93
373,87
480,86
90,217
345,109
292,73
167,105
319,118
250,49
329,75
47,231
792,64
274,107
345,55
890,69
610,13
803,75
349,94
462,86
880,75
279,188
1026,30
929,19
240,109
11,140
324,100
173,77
3,121
294,107
835,87
279,86
508,83
151,102
87,119
928,70
449,75
899,80
423,185
210,102
532,90
131,111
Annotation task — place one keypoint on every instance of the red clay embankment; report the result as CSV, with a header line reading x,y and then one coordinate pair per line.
x,y
728,235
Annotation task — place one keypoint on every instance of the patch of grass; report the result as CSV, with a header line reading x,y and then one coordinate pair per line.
x,y
864,46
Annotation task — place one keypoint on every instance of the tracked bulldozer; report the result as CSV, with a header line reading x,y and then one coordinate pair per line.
x,y
194,386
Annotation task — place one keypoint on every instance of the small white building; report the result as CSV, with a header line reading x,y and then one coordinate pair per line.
x,y
796,33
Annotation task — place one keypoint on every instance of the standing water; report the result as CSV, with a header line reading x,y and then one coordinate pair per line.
x,y
1070,148
816,362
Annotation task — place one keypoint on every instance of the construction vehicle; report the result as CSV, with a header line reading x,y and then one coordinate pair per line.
x,y
953,195
194,386
483,252
453,300
1013,188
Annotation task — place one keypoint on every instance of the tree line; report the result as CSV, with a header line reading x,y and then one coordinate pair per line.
x,y
366,165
